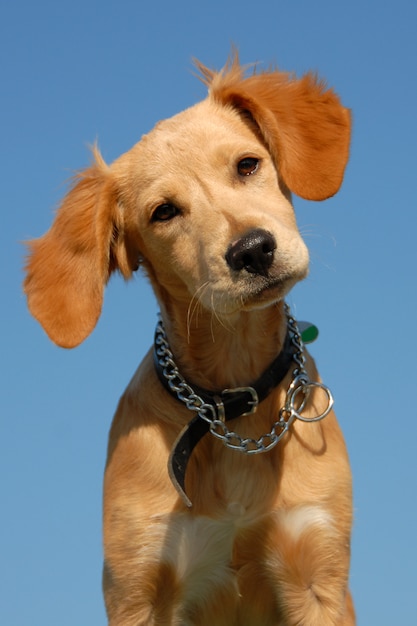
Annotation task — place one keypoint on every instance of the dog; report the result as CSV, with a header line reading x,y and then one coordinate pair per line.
x,y
227,488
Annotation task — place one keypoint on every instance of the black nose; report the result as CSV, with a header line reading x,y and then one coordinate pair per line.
x,y
253,252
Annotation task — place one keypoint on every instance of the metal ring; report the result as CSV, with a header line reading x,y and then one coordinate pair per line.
x,y
322,415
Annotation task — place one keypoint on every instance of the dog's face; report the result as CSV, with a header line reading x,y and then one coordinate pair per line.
x,y
213,222
204,201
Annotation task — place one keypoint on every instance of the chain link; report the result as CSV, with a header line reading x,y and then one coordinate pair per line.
x,y
296,399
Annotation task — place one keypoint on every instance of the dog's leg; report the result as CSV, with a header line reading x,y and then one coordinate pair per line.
x,y
300,563
310,566
151,598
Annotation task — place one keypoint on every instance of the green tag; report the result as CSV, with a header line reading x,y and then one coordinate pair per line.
x,y
309,332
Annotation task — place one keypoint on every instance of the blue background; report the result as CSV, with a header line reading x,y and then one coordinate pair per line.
x,y
74,72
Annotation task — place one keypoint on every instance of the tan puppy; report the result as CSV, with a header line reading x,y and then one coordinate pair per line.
x,y
258,534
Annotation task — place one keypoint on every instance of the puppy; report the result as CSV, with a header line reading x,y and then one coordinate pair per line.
x,y
227,491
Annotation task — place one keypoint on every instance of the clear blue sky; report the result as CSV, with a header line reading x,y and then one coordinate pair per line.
x,y
73,72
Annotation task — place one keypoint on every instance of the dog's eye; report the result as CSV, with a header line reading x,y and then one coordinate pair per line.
x,y
247,166
164,212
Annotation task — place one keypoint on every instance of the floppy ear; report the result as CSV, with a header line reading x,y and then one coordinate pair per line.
x,y
304,125
68,267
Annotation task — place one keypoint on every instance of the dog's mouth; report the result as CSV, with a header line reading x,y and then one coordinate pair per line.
x,y
264,290
253,292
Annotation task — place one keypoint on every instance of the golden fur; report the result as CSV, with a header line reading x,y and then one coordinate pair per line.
x,y
267,538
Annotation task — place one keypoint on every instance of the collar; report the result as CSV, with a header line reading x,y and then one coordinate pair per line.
x,y
229,403
223,405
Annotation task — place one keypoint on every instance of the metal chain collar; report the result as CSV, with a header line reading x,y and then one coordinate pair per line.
x,y
296,398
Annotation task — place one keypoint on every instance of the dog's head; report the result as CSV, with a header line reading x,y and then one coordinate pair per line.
x,y
203,202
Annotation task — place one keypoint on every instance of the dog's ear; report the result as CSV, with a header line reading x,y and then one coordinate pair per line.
x,y
305,126
68,267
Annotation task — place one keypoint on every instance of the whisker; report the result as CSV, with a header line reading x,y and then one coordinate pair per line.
x,y
194,306
222,321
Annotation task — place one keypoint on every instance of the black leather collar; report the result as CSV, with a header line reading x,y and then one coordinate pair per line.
x,y
227,405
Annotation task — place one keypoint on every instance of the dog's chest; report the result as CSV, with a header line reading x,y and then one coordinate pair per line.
x,y
228,561
203,553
